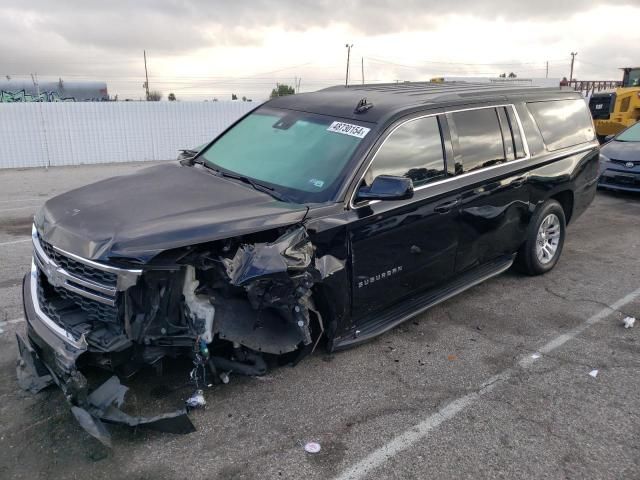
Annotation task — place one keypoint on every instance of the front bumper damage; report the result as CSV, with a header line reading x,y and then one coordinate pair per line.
x,y
232,307
48,356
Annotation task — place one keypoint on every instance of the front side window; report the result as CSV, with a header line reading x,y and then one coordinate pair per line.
x,y
563,123
413,150
479,139
299,154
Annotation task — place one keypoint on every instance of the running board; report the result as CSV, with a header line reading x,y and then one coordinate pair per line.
x,y
389,318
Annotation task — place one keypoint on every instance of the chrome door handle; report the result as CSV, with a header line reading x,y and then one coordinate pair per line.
x,y
445,207
518,182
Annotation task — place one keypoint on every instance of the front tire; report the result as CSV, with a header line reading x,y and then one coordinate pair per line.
x,y
545,239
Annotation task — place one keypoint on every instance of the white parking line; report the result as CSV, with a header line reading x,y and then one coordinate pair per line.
x,y
19,208
421,430
16,200
13,242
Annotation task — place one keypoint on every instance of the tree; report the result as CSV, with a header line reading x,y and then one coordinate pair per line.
x,y
171,97
503,75
234,96
512,75
281,90
154,96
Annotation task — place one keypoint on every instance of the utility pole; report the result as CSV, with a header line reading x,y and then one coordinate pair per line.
x,y
362,66
146,74
346,78
34,80
573,57
547,74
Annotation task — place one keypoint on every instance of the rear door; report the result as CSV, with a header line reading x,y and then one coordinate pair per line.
x,y
494,213
399,247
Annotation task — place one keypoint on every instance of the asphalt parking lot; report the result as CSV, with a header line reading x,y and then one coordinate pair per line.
x,y
455,393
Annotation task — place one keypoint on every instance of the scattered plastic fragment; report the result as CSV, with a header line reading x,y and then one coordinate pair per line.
x,y
535,356
628,322
593,373
196,400
312,447
451,358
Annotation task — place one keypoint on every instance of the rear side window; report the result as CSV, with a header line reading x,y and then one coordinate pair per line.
x,y
563,123
479,139
413,150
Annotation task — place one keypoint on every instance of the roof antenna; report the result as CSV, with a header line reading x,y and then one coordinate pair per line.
x,y
363,106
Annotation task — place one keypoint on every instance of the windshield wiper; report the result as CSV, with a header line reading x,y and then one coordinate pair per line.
x,y
256,185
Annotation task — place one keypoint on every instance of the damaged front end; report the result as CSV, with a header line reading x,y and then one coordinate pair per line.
x,y
233,306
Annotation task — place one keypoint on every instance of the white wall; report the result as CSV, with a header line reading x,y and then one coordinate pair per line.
x,y
41,134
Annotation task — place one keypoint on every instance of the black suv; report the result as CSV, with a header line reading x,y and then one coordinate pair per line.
x,y
323,217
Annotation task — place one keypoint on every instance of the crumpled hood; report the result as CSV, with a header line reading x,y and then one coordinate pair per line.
x,y
167,206
626,151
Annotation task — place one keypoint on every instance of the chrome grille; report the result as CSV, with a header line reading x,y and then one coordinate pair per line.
x,y
76,297
57,302
624,162
77,268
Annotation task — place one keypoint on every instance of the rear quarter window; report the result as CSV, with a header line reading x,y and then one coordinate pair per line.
x,y
563,123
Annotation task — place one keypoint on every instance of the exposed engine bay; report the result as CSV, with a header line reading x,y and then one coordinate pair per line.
x,y
235,307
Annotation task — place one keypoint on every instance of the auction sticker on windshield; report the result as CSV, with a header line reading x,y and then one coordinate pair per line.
x,y
348,129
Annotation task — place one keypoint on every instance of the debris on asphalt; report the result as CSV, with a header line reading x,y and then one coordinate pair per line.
x,y
451,358
312,447
196,400
535,356
593,373
628,322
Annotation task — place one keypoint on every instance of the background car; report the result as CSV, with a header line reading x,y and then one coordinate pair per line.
x,y
620,161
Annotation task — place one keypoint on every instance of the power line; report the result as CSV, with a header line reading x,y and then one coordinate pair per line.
x,y
382,60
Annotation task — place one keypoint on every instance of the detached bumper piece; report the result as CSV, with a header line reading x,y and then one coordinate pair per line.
x,y
101,406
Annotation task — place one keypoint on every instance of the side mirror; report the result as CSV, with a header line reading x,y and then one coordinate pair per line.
x,y
387,187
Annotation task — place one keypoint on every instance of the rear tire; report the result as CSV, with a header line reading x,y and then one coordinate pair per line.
x,y
545,239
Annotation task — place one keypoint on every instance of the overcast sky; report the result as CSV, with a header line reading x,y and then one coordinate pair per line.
x,y
204,48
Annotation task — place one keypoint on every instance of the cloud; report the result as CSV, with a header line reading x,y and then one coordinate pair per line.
x,y
203,46
170,26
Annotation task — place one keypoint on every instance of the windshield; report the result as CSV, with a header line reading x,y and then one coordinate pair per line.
x,y
299,154
631,134
633,78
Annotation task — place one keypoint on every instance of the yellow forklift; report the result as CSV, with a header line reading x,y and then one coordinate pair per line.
x,y
614,111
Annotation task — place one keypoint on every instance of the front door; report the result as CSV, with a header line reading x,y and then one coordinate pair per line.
x,y
400,247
